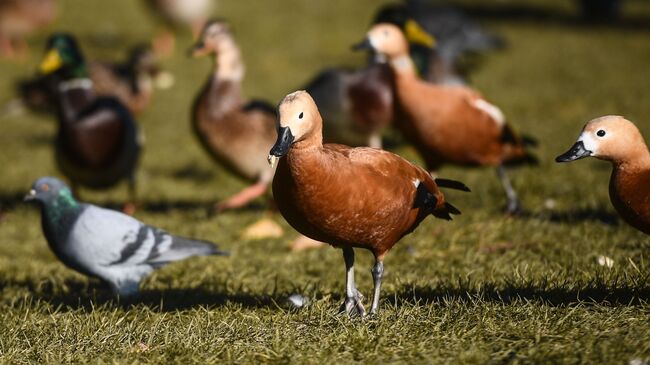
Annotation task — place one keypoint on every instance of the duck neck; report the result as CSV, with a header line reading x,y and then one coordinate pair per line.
x,y
403,66
73,96
639,161
228,62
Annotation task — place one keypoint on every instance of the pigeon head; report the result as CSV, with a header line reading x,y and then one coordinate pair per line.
x,y
47,190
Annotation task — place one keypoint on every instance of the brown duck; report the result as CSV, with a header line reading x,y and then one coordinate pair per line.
x,y
448,124
97,144
348,197
235,132
617,140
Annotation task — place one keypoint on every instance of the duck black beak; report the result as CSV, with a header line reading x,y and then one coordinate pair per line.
x,y
281,146
30,196
576,152
195,50
363,45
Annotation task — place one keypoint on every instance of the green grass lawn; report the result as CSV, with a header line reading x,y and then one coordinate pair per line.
x,y
482,288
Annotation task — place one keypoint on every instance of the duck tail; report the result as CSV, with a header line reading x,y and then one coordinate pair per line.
x,y
451,184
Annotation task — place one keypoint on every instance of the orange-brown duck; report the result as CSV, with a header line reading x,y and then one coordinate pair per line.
x,y
97,144
359,104
235,132
130,81
617,140
448,124
348,197
19,18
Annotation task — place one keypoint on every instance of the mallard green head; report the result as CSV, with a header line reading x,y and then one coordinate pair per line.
x,y
63,55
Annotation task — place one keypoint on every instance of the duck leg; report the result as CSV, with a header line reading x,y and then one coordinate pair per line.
x,y
377,275
130,206
243,197
353,298
513,207
375,141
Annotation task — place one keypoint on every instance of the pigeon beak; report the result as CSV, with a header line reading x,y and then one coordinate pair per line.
x,y
576,152
30,196
281,146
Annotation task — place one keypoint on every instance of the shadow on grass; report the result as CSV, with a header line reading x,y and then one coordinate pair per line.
x,y
87,296
615,294
601,214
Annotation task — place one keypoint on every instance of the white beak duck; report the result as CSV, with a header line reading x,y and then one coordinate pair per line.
x,y
617,140
348,197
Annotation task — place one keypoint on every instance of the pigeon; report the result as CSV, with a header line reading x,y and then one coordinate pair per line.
x,y
107,244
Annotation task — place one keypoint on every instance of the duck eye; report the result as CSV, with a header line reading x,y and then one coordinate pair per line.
x,y
601,133
385,33
300,115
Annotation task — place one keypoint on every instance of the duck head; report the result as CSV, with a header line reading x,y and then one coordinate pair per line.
x,y
298,121
213,38
386,39
62,55
47,190
610,138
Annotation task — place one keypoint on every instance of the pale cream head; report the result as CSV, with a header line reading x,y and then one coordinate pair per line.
x,y
215,38
613,138
388,39
299,113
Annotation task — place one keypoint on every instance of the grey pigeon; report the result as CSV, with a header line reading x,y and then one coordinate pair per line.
x,y
107,244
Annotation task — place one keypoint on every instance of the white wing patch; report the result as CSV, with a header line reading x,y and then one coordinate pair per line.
x,y
492,110
416,182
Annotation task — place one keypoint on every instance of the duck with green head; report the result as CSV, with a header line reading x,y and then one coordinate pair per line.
x,y
97,144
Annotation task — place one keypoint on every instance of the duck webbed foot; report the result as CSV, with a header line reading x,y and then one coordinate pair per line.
x,y
513,206
353,306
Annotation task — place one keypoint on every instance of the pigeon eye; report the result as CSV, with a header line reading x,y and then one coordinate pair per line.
x,y
300,115
601,133
45,187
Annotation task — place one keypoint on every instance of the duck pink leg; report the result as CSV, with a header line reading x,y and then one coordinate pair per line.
x,y
243,197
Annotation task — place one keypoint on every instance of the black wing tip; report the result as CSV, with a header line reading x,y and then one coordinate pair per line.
x,y
529,141
452,184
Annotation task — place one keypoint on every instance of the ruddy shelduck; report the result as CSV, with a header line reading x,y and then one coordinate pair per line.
x,y
447,124
617,140
348,197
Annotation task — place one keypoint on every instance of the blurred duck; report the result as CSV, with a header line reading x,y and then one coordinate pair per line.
x,y
97,144
348,197
617,140
235,132
358,104
130,81
18,19
448,124
175,13
456,36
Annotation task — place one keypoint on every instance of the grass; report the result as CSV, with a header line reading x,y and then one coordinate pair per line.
x,y
481,289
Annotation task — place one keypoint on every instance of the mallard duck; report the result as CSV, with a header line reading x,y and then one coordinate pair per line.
x,y
19,18
97,144
448,124
235,132
131,81
348,197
